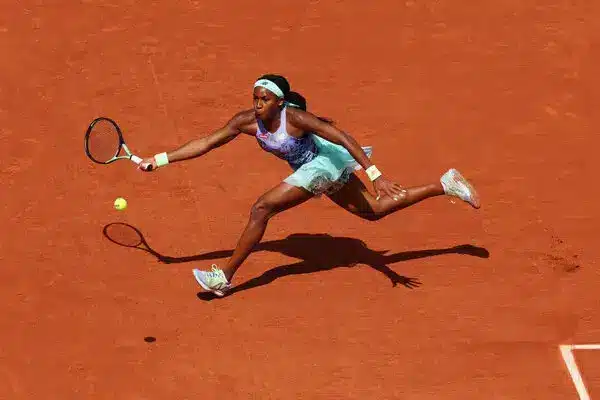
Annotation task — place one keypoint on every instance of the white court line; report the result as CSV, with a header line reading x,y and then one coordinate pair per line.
x,y
585,346
567,353
159,91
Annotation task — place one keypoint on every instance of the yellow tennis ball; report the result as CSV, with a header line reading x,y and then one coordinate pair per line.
x,y
120,204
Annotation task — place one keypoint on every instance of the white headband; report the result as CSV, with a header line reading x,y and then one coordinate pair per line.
x,y
267,84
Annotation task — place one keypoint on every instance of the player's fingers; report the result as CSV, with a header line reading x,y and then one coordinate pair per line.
x,y
377,191
145,166
396,194
399,192
391,193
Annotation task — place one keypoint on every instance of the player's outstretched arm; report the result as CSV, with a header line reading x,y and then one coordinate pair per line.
x,y
198,147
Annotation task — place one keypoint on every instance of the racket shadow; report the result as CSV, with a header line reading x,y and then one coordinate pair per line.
x,y
129,236
315,252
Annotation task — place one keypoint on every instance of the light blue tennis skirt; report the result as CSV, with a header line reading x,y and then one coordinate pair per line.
x,y
329,171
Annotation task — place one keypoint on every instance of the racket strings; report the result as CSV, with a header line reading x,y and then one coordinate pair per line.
x,y
103,142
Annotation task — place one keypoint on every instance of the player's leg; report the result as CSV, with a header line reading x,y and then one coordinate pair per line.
x,y
355,197
276,200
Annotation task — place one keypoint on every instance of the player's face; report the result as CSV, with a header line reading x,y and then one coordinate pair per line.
x,y
266,104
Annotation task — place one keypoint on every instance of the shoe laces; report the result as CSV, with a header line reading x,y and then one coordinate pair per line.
x,y
215,272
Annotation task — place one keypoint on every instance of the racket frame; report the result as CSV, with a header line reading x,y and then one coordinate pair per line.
x,y
130,156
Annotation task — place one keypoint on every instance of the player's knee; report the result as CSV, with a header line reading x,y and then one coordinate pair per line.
x,y
262,210
372,213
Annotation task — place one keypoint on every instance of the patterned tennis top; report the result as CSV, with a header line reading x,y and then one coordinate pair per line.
x,y
296,151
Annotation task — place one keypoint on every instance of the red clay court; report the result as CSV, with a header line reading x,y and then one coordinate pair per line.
x,y
503,91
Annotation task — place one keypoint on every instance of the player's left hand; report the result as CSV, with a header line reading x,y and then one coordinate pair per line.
x,y
384,187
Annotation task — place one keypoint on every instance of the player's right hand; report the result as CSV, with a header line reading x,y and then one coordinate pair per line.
x,y
148,164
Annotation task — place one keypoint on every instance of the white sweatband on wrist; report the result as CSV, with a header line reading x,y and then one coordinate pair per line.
x,y
269,85
373,173
161,159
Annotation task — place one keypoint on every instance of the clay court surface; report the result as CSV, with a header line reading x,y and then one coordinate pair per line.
x,y
503,91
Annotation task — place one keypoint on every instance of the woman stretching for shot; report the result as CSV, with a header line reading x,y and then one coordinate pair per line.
x,y
323,159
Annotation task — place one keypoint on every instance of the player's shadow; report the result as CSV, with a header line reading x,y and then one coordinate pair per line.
x,y
315,252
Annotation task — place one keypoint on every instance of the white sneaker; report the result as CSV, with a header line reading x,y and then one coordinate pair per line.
x,y
213,281
455,184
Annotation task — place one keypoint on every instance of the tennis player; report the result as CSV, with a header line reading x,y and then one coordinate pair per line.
x,y
324,161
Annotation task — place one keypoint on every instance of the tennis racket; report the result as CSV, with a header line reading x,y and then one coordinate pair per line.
x,y
104,142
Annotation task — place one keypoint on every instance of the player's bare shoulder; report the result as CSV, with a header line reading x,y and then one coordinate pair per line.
x,y
300,118
244,122
293,113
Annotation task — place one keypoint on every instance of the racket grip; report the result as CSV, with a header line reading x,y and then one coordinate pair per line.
x,y
138,161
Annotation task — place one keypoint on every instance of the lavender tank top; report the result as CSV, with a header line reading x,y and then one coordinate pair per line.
x,y
296,151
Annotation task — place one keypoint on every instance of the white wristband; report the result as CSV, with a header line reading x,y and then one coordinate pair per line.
x,y
373,172
161,159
